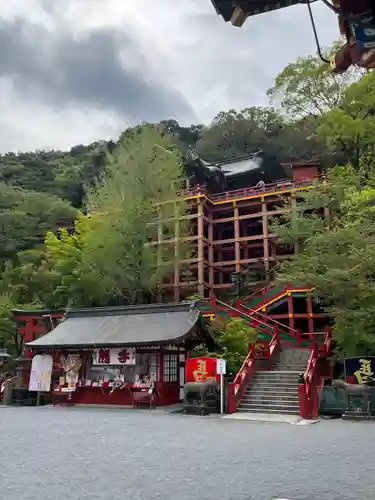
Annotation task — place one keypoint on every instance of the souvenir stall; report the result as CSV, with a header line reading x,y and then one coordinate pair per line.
x,y
123,355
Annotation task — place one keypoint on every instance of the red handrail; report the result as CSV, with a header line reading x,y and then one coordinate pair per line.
x,y
237,388
309,389
260,291
274,323
251,190
260,323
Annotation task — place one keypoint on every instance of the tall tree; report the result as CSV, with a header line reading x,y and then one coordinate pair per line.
x,y
236,133
308,87
339,108
25,217
112,256
350,127
338,255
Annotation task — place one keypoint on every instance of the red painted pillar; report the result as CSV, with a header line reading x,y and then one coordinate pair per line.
x,y
303,402
310,315
29,330
161,375
290,310
231,402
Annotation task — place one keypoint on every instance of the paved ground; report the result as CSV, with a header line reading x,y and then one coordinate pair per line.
x,y
90,454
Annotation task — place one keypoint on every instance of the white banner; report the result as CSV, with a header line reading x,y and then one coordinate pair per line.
x,y
114,356
41,371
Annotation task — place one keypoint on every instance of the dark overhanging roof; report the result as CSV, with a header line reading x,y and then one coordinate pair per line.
x,y
148,325
227,8
37,312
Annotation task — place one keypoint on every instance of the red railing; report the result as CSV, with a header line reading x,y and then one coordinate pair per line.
x,y
272,323
267,188
310,388
260,291
255,322
250,191
236,389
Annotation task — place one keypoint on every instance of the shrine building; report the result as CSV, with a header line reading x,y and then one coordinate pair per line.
x,y
110,355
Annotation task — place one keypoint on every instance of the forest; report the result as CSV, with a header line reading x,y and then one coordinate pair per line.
x,y
312,114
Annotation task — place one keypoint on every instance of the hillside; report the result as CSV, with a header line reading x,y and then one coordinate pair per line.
x,y
320,115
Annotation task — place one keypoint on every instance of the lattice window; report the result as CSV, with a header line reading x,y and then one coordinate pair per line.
x,y
171,367
154,367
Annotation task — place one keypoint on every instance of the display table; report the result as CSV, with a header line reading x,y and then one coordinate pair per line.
x,y
62,397
142,395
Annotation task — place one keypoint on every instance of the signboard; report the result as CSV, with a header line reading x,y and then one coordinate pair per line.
x,y
360,369
116,356
221,366
41,371
201,369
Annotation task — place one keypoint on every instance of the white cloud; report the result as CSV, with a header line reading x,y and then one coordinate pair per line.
x,y
180,49
27,125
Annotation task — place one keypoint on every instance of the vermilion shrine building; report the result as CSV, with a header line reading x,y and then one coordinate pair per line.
x,y
231,236
109,355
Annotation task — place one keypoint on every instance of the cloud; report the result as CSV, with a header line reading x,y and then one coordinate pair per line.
x,y
62,70
122,62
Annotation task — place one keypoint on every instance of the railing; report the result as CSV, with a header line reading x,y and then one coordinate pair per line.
x,y
259,190
260,291
236,389
258,323
250,191
273,323
310,387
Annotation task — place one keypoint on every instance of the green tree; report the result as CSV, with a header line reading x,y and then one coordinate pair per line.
x,y
308,87
10,337
337,255
112,256
233,337
350,127
26,216
337,108
235,133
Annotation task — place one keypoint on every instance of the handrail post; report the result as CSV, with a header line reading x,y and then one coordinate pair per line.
x,y
276,333
303,403
299,336
231,402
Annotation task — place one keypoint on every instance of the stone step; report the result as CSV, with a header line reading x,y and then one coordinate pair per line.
x,y
269,401
280,392
269,411
274,402
280,377
278,386
275,408
269,385
278,373
295,368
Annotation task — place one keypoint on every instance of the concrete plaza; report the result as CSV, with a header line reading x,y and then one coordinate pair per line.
x,y
93,454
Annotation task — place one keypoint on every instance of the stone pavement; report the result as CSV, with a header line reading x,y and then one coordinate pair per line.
x,y
90,454
270,417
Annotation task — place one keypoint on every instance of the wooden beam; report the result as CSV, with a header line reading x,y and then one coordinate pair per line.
x,y
176,291
237,249
265,240
200,236
211,274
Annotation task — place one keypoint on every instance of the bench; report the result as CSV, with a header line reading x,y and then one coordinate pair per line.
x,y
144,397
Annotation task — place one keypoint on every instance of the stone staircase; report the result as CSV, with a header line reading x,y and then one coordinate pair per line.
x,y
276,391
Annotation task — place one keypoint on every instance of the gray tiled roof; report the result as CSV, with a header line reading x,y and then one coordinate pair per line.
x,y
120,326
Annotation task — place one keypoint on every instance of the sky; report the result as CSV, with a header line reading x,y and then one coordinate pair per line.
x,y
76,71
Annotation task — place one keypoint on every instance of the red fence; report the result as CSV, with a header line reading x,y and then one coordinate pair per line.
x,y
310,388
237,388
250,191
